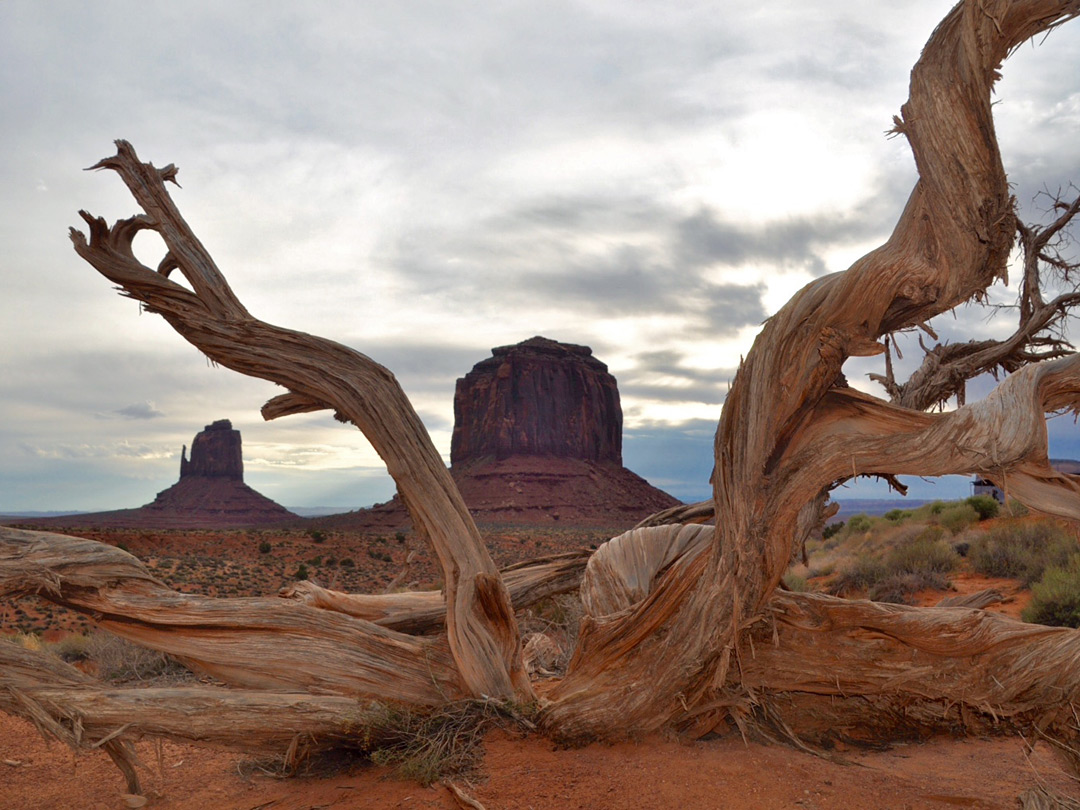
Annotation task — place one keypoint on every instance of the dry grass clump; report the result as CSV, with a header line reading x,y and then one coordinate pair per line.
x,y
120,661
558,618
429,746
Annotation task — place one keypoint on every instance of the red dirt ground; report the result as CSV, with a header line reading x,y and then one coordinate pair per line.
x,y
529,773
516,773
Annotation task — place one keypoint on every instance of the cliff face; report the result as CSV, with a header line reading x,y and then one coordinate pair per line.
x,y
537,398
215,453
537,441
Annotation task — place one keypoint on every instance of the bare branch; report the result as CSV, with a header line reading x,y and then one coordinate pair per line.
x,y
319,373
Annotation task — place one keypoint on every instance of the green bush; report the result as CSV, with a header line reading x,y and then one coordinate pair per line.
x,y
926,554
832,529
264,547
985,505
860,574
72,648
957,517
1021,552
858,523
301,572
1016,509
897,515
1055,599
316,535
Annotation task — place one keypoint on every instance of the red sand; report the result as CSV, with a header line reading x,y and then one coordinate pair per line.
x,y
529,773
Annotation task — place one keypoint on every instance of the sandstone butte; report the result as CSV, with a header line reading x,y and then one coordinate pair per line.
x,y
537,441
211,493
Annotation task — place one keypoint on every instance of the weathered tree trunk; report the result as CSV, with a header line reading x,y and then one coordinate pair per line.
x,y
319,374
785,432
686,627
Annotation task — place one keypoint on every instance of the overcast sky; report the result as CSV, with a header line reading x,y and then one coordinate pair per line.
x,y
424,181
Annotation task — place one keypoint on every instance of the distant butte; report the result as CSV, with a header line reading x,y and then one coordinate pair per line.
x,y
537,441
211,493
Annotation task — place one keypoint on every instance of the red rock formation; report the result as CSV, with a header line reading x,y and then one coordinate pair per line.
x,y
211,493
537,441
215,453
537,398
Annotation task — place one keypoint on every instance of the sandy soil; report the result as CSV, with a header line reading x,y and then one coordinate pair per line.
x,y
530,773
516,773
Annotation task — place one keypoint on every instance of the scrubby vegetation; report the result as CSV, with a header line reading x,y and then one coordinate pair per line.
x,y
110,657
986,506
917,559
1021,551
1055,598
892,557
429,746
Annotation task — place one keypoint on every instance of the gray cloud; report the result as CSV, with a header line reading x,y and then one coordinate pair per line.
x,y
140,410
663,376
425,182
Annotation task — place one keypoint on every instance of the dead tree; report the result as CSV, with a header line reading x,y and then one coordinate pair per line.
x,y
1039,335
686,628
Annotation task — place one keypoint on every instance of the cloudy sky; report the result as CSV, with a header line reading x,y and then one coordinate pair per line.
x,y
424,181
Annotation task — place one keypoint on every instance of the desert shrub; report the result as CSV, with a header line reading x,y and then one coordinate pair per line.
x,y
558,617
957,517
917,562
71,648
264,547
986,506
317,536
832,529
348,562
925,554
301,572
1055,598
860,574
1021,552
897,515
858,523
120,661
898,588
28,641
1016,509
400,537
430,746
